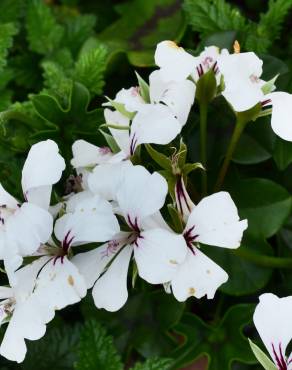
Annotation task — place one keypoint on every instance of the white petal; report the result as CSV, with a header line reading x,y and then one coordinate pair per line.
x,y
105,179
26,322
29,227
158,254
92,264
92,221
42,168
60,284
272,318
175,63
141,194
215,221
110,291
88,155
130,98
243,88
178,96
5,292
281,114
197,276
6,199
121,136
154,123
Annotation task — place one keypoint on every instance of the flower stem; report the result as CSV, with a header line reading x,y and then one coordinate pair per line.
x,y
203,144
239,127
265,261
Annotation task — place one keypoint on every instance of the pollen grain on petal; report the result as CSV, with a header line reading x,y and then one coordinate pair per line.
x,y
70,280
192,291
173,262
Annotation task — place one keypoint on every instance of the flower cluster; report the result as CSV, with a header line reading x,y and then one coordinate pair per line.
x,y
115,214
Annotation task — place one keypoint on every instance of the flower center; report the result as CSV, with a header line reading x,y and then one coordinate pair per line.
x,y
190,238
64,250
136,234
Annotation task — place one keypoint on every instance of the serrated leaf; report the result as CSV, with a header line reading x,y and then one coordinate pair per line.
x,y
90,69
262,357
96,349
10,10
78,29
154,364
211,16
44,34
7,31
57,349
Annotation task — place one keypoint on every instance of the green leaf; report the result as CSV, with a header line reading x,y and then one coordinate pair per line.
x,y
154,364
249,151
265,204
7,31
222,343
270,23
10,10
78,29
158,20
44,34
144,323
211,16
245,277
90,68
96,349
162,160
262,357
57,348
282,153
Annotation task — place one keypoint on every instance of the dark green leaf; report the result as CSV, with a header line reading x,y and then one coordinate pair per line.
x,y
96,349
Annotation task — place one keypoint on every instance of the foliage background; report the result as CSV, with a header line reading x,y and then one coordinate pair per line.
x,y
57,61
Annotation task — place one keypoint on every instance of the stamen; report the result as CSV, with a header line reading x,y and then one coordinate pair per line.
x,y
133,144
189,238
266,102
280,360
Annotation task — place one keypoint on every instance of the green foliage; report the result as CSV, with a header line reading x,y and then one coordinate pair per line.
x,y
7,31
96,349
43,32
211,16
59,347
90,69
222,343
154,364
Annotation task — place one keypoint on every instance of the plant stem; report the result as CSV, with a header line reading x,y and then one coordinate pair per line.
x,y
203,144
265,261
239,127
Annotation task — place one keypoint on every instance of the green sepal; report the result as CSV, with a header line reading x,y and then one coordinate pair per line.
x,y
262,358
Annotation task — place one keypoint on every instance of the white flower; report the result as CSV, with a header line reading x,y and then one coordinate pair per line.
x,y
158,121
272,318
24,227
26,314
243,86
177,65
214,221
281,113
157,251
